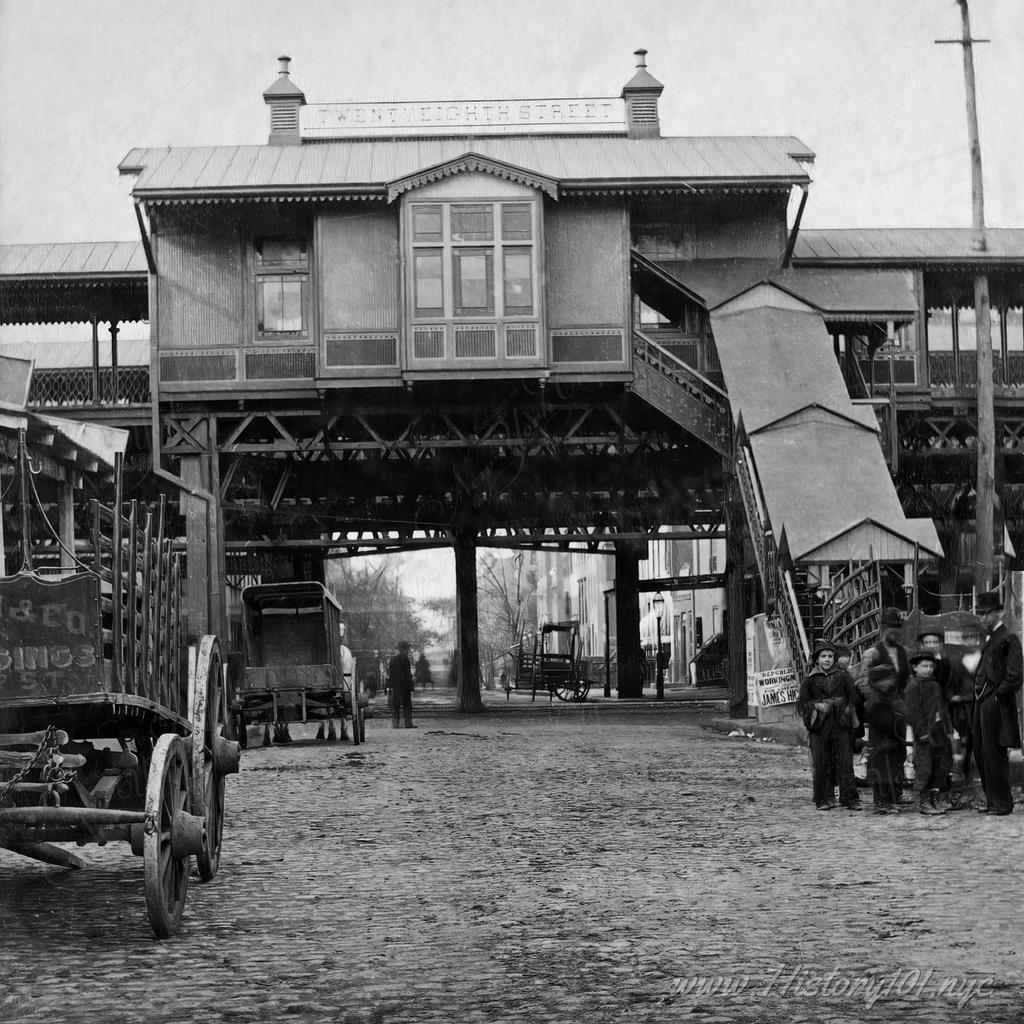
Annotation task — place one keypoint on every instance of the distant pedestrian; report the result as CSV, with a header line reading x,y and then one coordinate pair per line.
x,y
928,717
885,737
400,686
826,705
422,674
997,681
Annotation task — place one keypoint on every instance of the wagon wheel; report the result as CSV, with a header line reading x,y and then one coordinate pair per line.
x,y
209,721
582,689
165,864
564,689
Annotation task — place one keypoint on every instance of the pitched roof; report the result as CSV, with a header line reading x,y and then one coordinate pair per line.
x,y
907,245
835,291
367,167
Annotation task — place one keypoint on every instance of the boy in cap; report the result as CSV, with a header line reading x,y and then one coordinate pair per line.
x,y
997,681
886,745
928,717
826,705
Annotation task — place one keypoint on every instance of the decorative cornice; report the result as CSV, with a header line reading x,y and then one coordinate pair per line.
x,y
469,163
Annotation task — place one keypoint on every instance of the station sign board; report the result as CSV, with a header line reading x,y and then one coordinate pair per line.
x,y
568,116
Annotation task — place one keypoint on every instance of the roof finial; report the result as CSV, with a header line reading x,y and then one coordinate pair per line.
x,y
285,61
641,57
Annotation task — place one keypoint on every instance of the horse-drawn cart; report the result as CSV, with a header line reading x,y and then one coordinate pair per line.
x,y
550,661
111,728
293,667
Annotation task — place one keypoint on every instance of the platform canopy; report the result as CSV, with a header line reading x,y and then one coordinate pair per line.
x,y
73,282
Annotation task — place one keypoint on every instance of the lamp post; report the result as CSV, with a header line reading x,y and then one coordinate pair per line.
x,y
659,607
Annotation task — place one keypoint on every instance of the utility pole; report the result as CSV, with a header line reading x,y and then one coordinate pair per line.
x,y
985,490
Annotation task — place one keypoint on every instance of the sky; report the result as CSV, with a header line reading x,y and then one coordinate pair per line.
x,y
862,83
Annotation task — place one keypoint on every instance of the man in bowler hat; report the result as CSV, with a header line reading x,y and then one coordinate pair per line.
x,y
997,681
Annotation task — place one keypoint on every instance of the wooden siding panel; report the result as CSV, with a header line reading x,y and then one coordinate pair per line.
x,y
201,288
741,227
585,258
359,270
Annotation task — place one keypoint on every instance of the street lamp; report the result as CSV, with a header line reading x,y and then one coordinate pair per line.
x,y
659,607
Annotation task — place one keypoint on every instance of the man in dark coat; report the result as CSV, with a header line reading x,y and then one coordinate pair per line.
x,y
958,689
886,745
889,649
400,685
997,681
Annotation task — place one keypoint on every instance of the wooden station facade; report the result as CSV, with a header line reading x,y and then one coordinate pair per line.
x,y
535,323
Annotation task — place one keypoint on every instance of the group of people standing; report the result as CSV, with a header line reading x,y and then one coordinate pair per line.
x,y
919,696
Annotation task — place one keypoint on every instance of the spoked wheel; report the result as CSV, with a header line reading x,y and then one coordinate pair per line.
x,y
170,835
565,690
582,689
213,755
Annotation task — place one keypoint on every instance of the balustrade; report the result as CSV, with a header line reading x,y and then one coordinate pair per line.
x,y
79,386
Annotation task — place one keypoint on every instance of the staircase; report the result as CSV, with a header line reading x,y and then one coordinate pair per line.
x,y
849,613
681,393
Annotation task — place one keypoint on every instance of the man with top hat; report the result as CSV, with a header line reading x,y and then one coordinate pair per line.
x,y
826,705
997,681
927,715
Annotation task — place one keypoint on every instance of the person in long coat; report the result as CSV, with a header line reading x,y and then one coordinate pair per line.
x,y
826,706
997,681
400,686
887,749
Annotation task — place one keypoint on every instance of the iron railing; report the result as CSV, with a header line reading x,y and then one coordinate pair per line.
x,y
83,386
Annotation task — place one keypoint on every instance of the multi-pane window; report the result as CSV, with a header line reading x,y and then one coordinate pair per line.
x,y
282,283
473,260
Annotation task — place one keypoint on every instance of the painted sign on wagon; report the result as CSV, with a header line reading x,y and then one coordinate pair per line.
x,y
50,639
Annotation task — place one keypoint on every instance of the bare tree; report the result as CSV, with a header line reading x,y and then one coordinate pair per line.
x,y
508,605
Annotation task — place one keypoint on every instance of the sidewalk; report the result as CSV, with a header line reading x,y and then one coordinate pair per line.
x,y
442,701
794,734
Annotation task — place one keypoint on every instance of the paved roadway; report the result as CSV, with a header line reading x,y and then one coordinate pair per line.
x,y
579,864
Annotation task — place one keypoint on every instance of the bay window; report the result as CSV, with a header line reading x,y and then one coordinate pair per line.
x,y
473,265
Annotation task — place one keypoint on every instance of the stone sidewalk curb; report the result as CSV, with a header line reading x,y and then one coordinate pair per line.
x,y
379,712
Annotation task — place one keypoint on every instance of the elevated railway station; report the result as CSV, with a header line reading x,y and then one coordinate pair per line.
x,y
539,323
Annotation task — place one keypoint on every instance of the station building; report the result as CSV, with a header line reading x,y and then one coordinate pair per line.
x,y
544,322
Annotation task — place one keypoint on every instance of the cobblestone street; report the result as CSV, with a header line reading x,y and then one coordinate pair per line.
x,y
549,865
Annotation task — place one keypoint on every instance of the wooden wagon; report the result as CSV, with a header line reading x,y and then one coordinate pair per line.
x,y
293,669
111,727
550,661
